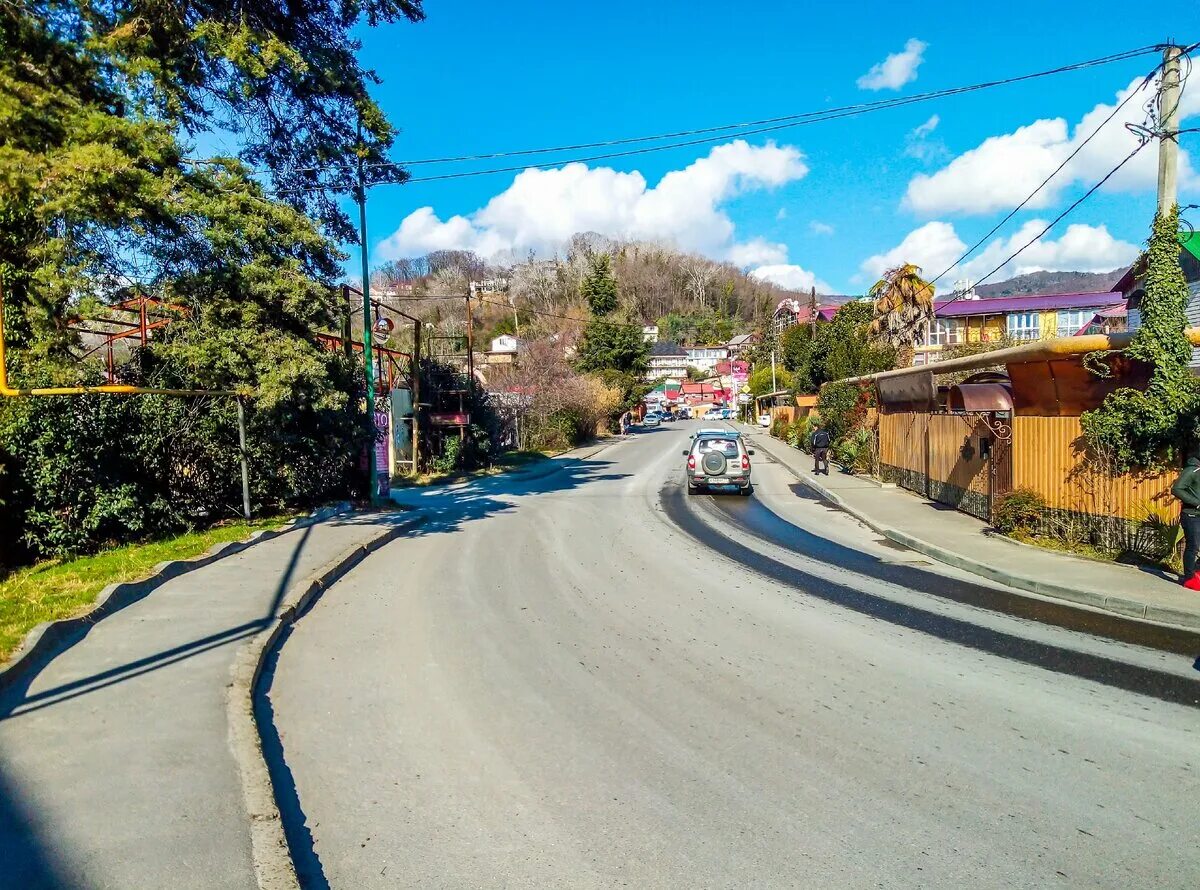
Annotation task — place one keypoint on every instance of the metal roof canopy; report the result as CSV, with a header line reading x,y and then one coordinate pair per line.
x,y
970,397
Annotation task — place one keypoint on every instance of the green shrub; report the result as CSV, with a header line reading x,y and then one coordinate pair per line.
x,y
779,428
856,452
795,433
807,426
843,406
451,457
1018,511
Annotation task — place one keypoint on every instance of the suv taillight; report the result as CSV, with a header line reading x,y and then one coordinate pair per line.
x,y
691,461
745,461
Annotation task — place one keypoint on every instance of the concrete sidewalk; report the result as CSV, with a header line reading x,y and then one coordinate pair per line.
x,y
957,539
116,767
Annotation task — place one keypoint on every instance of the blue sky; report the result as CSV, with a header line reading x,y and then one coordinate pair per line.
x,y
831,202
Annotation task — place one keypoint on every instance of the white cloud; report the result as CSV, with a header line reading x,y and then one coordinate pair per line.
x,y
1003,170
792,277
926,128
819,228
756,252
935,246
897,69
782,214
541,209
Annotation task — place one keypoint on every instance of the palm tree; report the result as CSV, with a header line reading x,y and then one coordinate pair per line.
x,y
903,306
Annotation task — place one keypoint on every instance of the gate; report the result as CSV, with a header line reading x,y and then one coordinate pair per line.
x,y
1000,476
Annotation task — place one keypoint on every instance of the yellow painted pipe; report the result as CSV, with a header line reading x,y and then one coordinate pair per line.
x,y
1037,351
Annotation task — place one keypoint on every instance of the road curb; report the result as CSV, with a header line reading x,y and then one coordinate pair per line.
x,y
274,866
43,641
1131,609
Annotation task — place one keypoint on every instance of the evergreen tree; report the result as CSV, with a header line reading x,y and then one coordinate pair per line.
x,y
608,343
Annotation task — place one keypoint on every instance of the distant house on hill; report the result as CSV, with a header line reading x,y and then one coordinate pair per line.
x,y
666,360
741,343
793,312
504,350
705,358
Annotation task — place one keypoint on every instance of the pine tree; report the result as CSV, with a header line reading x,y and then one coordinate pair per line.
x,y
608,343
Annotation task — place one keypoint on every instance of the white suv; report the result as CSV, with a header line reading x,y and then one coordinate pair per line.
x,y
718,461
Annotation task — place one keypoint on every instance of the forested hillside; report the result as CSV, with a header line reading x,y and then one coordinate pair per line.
x,y
691,298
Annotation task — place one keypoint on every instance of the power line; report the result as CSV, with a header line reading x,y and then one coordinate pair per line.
x,y
970,250
1059,218
750,128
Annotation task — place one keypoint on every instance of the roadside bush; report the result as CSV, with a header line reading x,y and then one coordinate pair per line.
x,y
451,457
779,427
807,425
844,406
795,433
856,452
1018,511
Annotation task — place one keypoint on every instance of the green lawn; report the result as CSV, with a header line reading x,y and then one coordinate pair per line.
x,y
55,589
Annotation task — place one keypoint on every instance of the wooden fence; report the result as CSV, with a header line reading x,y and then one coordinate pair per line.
x,y
1048,456
941,456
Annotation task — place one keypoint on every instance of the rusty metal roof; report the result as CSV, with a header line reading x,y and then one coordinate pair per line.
x,y
980,397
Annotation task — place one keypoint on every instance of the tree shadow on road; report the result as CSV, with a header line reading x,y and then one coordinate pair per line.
x,y
23,852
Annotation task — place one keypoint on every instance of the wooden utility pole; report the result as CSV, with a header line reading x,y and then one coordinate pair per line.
x,y
1168,124
812,313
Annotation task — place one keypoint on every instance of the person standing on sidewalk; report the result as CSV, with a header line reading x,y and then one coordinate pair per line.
x,y
820,449
1187,489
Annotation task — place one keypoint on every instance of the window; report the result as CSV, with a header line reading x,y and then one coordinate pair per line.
x,y
1024,325
947,332
727,447
1071,320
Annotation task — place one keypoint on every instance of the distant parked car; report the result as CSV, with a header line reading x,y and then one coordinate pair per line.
x,y
652,419
764,420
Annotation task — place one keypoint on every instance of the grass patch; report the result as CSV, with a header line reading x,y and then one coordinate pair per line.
x,y
58,589
1099,554
509,460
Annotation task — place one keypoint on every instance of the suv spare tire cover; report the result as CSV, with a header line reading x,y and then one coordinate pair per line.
x,y
713,463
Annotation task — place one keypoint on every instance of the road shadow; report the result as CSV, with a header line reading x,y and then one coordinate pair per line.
x,y
27,859
760,522
446,508
301,845
17,700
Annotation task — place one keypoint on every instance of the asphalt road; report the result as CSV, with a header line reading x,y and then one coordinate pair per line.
x,y
593,680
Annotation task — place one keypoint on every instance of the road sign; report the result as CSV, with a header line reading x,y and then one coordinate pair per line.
x,y
744,398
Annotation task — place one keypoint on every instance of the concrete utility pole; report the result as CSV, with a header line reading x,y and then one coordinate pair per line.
x,y
242,453
1168,123
774,385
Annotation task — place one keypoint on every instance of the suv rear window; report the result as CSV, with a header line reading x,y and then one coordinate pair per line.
x,y
728,447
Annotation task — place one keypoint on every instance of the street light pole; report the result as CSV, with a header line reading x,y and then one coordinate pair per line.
x,y
368,357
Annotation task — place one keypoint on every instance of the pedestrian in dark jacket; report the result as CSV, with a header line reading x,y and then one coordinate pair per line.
x,y
820,449
1187,489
